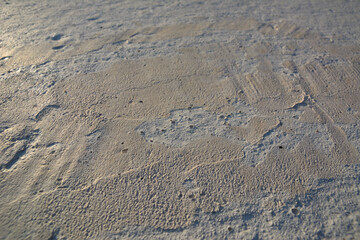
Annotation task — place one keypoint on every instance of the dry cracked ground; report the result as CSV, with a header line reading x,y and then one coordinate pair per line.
x,y
179,119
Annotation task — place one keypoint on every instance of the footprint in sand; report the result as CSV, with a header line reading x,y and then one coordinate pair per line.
x,y
5,58
57,37
58,47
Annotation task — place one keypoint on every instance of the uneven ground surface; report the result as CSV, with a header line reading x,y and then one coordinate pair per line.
x,y
180,119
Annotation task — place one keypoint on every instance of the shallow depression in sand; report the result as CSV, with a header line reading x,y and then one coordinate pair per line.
x,y
258,134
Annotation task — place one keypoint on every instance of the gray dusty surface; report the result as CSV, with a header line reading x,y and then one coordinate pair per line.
x,y
179,119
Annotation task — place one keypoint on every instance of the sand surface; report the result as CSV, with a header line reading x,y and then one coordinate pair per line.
x,y
180,119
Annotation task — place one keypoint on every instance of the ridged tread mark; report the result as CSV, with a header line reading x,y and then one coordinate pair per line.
x,y
338,135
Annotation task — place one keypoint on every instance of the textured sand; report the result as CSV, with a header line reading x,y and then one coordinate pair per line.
x,y
179,119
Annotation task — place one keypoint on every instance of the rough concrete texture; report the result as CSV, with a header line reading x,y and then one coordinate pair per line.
x,y
179,119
